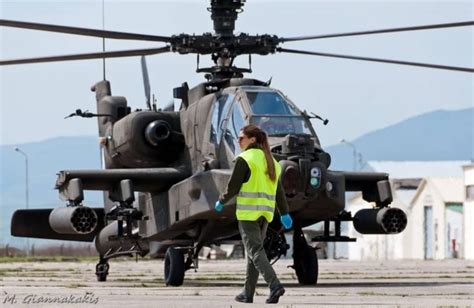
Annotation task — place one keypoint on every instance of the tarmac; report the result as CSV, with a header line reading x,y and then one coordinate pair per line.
x,y
341,283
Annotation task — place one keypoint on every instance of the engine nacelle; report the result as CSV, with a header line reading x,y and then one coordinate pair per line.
x,y
380,221
73,220
144,139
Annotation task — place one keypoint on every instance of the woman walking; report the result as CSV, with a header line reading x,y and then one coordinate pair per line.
x,y
255,181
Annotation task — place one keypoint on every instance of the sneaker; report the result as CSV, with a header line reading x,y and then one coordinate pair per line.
x,y
275,295
243,298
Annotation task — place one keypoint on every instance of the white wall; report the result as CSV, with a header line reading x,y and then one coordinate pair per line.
x,y
428,197
468,215
446,218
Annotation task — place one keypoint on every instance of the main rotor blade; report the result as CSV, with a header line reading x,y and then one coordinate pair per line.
x,y
83,31
443,67
416,28
86,56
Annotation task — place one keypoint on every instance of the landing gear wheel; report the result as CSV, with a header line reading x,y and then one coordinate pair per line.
x,y
174,267
305,260
306,266
102,270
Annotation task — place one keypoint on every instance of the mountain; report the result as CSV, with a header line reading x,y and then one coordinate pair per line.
x,y
45,159
438,135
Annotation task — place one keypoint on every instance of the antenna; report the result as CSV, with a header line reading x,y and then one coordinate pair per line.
x,y
103,38
146,82
250,62
154,103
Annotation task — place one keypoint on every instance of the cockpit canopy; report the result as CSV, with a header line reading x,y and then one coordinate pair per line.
x,y
275,114
267,108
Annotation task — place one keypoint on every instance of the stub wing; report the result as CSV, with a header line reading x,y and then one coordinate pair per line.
x,y
375,187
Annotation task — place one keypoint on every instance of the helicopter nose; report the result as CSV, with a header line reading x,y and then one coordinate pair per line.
x,y
303,176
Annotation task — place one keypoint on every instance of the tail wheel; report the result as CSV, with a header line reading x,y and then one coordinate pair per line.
x,y
306,265
174,267
102,270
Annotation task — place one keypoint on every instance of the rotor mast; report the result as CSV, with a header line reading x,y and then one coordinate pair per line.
x,y
224,14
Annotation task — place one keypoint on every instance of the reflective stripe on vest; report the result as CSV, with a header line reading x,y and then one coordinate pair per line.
x,y
257,196
246,207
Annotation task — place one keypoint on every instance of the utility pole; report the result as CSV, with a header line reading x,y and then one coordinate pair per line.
x,y
354,153
26,192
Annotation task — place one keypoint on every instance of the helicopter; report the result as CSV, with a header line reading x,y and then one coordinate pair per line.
x,y
179,161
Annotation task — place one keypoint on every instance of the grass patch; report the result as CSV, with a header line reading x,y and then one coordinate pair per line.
x,y
225,278
46,259
45,270
12,270
127,279
76,285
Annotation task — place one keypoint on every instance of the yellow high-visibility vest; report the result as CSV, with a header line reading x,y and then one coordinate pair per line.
x,y
257,196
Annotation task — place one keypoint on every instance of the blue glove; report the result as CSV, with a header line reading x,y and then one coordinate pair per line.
x,y
219,206
286,221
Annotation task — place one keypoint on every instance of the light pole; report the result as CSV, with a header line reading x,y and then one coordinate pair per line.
x,y
360,159
354,153
26,192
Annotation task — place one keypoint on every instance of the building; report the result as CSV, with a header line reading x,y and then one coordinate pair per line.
x,y
435,229
413,183
469,211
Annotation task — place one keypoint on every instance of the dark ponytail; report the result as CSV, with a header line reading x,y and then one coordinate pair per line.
x,y
262,143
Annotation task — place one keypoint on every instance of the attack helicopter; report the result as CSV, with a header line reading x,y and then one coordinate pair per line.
x,y
178,162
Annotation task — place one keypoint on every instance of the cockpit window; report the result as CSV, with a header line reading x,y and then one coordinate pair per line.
x,y
282,125
275,115
219,113
236,122
269,102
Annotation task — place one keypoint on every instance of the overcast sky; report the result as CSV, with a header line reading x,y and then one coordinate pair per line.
x,y
356,97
